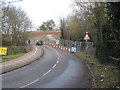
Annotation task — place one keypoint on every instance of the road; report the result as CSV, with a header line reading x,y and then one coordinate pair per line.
x,y
55,69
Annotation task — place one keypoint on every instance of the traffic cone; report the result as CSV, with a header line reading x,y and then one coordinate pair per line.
x,y
63,49
59,47
56,47
69,50
66,49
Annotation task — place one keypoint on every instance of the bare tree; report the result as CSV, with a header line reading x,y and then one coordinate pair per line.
x,y
15,24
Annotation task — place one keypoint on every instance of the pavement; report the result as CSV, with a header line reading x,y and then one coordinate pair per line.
x,y
24,60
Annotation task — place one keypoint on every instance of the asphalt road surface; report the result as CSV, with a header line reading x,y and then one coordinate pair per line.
x,y
55,69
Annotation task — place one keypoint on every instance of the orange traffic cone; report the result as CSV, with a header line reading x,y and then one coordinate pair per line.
x,y
69,50
59,47
66,49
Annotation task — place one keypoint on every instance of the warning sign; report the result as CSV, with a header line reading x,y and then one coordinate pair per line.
x,y
57,42
86,37
73,49
3,50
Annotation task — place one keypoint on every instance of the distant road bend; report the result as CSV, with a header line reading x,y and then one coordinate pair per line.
x,y
55,69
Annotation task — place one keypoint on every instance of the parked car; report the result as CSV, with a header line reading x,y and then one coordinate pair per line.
x,y
39,42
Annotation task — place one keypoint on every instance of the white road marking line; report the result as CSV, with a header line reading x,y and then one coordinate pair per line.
x,y
47,72
57,61
29,83
54,66
58,57
21,59
42,75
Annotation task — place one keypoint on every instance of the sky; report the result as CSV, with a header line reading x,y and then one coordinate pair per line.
x,y
42,10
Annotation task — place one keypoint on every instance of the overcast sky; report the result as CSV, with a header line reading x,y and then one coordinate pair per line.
x,y
43,10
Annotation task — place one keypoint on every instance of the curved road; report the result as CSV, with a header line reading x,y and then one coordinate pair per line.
x,y
55,69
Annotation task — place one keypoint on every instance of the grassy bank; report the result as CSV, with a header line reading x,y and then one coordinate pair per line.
x,y
9,57
105,75
15,52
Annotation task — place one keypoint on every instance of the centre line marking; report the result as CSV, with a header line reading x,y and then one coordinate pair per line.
x,y
42,75
47,72
54,66
29,83
57,61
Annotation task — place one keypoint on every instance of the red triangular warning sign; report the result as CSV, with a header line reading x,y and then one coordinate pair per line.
x,y
86,37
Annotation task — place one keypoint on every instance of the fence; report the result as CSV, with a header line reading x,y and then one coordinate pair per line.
x,y
80,46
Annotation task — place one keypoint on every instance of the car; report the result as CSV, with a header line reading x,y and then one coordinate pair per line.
x,y
39,42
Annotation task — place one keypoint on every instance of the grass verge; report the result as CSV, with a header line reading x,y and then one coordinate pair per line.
x,y
9,57
105,76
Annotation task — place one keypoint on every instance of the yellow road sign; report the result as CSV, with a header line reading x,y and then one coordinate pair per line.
x,y
3,50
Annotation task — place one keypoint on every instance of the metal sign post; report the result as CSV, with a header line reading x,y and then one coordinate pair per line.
x,y
86,38
86,47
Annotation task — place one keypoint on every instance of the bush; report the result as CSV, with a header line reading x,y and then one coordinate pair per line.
x,y
18,49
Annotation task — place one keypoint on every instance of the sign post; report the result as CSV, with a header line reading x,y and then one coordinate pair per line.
x,y
86,38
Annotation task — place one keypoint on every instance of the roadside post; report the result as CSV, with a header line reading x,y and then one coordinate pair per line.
x,y
86,37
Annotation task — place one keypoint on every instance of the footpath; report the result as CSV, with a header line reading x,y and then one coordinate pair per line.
x,y
24,60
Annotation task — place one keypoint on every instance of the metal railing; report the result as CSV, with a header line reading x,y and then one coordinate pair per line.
x,y
80,46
